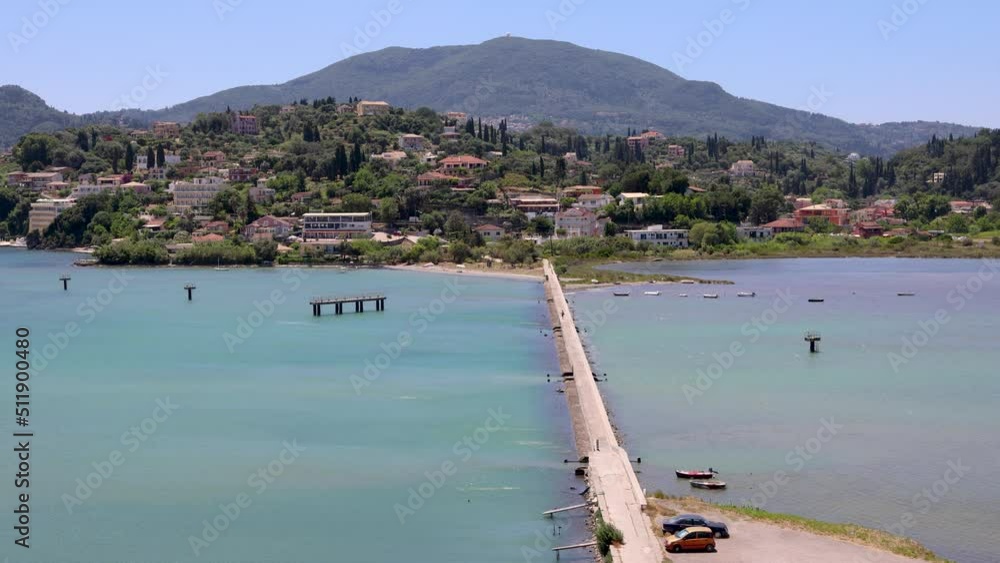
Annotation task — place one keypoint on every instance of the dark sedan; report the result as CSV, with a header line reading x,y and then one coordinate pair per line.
x,y
682,521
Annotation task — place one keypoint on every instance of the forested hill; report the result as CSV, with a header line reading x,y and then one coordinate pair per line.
x,y
591,90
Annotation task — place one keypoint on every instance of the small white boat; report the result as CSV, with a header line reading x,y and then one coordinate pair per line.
x,y
682,295
653,293
710,295
220,267
747,294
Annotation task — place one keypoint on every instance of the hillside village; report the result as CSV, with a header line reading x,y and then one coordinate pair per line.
x,y
367,182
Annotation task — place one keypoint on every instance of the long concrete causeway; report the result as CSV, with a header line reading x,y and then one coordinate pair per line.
x,y
610,473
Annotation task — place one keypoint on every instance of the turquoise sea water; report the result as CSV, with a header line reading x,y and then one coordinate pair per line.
x,y
913,448
474,371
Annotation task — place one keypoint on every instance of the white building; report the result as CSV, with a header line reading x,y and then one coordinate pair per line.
x,y
637,198
411,142
593,202
89,189
656,235
196,195
577,222
754,233
325,226
44,212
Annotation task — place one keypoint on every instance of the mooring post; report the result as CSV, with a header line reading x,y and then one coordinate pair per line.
x,y
189,287
65,280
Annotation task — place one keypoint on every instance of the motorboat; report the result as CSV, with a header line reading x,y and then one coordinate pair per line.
x,y
747,294
713,484
653,293
695,473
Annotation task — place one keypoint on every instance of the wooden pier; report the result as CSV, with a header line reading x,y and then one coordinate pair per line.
x,y
339,302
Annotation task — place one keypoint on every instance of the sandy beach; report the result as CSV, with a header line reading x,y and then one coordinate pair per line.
x,y
522,274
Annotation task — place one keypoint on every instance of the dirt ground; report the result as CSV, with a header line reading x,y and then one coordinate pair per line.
x,y
758,542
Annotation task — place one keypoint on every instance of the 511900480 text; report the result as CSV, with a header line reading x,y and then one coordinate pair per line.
x,y
22,404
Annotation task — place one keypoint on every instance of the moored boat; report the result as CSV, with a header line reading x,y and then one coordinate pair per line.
x,y
695,473
815,300
708,484
621,293
682,295
747,294
710,295
687,282
906,294
653,293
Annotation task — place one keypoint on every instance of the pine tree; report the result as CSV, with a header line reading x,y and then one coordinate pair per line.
x,y
129,157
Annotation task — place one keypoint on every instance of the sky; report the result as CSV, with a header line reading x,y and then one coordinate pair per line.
x,y
866,61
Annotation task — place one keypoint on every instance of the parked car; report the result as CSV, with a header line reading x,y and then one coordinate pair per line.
x,y
696,538
681,521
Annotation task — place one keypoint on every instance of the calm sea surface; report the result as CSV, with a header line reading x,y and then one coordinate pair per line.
x,y
447,450
894,424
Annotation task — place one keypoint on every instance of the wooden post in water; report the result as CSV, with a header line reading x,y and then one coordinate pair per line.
x,y
189,287
65,279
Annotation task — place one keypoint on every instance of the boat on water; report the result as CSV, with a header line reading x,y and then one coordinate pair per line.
x,y
713,484
906,294
710,295
220,268
747,294
653,293
687,282
621,294
682,295
815,300
695,473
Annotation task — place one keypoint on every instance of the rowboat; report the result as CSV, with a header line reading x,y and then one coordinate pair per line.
x,y
747,294
906,294
711,295
621,294
687,282
694,474
708,484
815,300
653,293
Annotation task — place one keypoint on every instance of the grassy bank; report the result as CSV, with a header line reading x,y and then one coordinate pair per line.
x,y
664,505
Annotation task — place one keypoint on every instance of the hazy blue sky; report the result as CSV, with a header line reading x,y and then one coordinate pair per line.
x,y
875,60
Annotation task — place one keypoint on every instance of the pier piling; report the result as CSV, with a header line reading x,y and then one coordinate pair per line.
x,y
190,287
65,280
338,303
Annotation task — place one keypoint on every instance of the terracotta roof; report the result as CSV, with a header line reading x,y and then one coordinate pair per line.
x,y
785,223
482,228
463,159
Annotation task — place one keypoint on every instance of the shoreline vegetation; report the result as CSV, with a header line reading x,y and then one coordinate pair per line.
x,y
663,505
